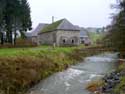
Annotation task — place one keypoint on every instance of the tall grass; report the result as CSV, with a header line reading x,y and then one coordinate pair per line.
x,y
21,68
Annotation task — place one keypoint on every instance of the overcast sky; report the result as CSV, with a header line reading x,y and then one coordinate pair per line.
x,y
85,13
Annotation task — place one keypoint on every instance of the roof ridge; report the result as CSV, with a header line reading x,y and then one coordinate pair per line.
x,y
61,23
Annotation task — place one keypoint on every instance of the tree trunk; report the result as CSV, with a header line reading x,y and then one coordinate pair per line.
x,y
1,38
15,35
9,37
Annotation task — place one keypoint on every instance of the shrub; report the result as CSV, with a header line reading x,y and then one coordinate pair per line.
x,y
19,43
24,43
19,73
121,67
120,88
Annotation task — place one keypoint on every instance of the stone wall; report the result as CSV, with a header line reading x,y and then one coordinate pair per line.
x,y
60,38
47,38
68,38
34,39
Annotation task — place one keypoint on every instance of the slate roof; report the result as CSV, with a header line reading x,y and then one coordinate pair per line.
x,y
66,25
83,32
62,24
28,34
36,31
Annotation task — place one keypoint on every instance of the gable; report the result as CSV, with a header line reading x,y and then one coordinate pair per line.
x,y
66,25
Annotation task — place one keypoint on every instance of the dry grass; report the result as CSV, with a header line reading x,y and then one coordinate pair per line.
x,y
21,69
94,86
18,73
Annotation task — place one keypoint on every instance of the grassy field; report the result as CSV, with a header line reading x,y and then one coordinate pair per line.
x,y
21,68
95,36
33,51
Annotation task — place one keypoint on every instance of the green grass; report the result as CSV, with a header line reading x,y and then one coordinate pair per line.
x,y
95,36
120,87
34,51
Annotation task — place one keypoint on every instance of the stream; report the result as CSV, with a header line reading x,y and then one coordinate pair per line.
x,y
74,79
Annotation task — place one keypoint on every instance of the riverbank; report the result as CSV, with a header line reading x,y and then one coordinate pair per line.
x,y
112,83
22,68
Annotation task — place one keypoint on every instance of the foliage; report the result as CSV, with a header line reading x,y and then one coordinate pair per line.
x,y
95,37
14,16
20,43
120,88
121,67
116,36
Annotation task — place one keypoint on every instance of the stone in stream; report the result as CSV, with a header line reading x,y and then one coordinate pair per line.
x,y
111,81
107,88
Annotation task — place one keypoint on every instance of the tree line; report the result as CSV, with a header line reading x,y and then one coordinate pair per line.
x,y
14,17
116,35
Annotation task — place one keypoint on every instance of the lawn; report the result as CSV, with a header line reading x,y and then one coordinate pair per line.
x,y
5,52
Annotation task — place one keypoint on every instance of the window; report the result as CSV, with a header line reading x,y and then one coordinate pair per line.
x,y
72,41
64,41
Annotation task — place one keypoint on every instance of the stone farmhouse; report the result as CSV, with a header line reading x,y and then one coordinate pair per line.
x,y
59,33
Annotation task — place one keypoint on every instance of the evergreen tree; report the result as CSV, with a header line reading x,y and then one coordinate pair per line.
x,y
15,17
2,6
25,18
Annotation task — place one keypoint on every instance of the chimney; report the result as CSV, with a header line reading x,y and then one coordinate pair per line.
x,y
52,19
